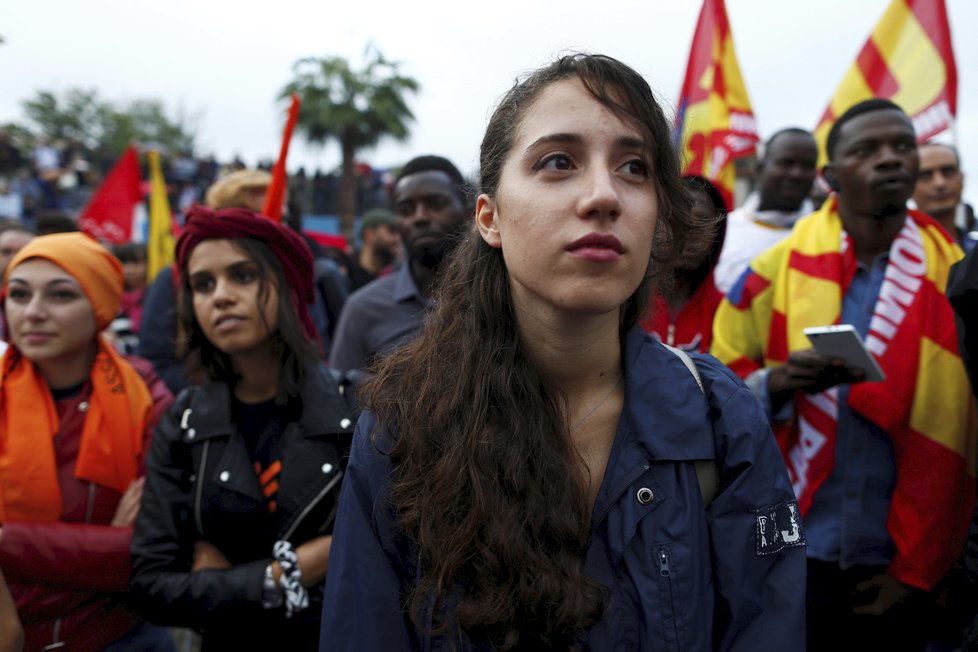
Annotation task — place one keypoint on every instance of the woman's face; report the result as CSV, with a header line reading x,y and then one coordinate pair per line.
x,y
576,206
226,287
51,320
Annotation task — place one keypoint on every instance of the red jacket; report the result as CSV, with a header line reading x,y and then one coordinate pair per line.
x,y
68,578
692,329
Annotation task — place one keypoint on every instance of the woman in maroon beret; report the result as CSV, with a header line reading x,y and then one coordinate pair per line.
x,y
235,528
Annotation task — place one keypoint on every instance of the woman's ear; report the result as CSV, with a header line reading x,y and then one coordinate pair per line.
x,y
485,220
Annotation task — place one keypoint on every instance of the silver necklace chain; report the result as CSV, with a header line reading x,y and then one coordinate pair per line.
x,y
598,405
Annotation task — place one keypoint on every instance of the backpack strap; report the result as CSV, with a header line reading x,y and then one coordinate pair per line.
x,y
706,470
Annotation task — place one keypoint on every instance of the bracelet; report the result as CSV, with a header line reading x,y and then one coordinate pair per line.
x,y
296,597
271,593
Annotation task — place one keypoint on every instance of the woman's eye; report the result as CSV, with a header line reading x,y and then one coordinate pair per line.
x,y
557,162
245,276
637,167
64,296
18,295
202,285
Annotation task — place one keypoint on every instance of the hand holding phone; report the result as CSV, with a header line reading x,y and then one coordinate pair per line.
x,y
843,341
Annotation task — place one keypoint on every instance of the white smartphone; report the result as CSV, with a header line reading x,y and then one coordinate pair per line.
x,y
843,341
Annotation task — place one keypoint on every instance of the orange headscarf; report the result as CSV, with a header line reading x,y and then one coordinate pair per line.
x,y
120,403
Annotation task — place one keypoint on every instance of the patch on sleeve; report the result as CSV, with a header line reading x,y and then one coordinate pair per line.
x,y
779,527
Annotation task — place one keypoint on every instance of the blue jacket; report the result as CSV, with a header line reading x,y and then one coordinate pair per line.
x,y
681,577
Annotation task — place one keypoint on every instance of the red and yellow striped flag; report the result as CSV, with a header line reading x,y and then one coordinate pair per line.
x,y
907,59
714,120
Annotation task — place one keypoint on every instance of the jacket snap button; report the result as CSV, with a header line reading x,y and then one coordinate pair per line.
x,y
225,476
83,406
345,423
644,495
191,433
327,467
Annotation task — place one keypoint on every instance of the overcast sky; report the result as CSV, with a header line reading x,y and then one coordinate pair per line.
x,y
227,61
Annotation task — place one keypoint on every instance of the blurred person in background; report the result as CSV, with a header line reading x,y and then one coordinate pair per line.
x,y
681,313
13,238
785,176
380,247
940,183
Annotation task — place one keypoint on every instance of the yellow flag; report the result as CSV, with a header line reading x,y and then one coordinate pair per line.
x,y
159,251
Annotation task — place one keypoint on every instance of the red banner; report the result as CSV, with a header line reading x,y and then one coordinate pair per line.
x,y
280,179
111,211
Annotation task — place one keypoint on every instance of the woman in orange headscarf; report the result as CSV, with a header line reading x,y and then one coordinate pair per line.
x,y
75,418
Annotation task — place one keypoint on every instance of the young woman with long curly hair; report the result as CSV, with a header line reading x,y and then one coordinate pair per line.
x,y
533,472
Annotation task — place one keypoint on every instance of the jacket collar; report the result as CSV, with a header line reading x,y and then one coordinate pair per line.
x,y
665,413
323,409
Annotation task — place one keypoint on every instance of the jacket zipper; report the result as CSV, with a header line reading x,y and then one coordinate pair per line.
x,y
663,556
663,562
308,508
200,489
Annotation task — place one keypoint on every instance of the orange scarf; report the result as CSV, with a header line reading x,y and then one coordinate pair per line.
x,y
111,443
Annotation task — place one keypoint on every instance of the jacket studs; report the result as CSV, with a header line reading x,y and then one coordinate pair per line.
x,y
644,496
225,476
327,467
191,434
345,423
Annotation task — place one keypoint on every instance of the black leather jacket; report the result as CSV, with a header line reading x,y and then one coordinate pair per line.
x,y
201,485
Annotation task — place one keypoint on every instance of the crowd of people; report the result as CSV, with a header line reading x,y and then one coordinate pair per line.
x,y
570,406
57,178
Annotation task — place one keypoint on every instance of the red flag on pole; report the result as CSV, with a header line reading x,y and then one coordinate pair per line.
x,y
276,191
714,121
110,213
909,59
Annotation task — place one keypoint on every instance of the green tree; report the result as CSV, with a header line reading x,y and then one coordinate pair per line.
x,y
83,115
355,107
76,115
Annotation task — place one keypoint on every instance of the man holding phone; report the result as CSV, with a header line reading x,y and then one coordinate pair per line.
x,y
880,469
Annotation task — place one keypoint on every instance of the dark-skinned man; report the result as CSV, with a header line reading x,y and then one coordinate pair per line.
x,y
784,181
882,471
940,182
429,199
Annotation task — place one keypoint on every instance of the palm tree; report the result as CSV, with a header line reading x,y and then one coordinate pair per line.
x,y
358,108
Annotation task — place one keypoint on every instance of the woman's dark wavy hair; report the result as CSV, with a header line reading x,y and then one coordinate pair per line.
x,y
486,484
295,350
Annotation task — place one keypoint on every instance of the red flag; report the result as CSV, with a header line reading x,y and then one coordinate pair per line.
x,y
909,59
111,211
276,191
714,121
